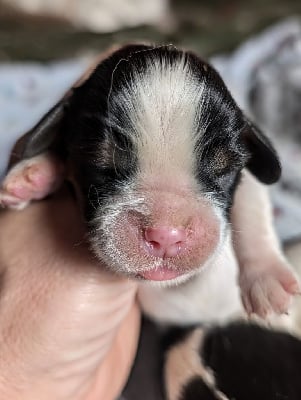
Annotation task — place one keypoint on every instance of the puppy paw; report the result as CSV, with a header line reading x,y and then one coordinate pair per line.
x,y
31,179
268,290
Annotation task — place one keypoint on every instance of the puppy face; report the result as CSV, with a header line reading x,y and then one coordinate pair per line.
x,y
155,145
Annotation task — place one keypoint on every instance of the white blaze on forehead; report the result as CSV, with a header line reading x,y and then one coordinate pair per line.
x,y
162,104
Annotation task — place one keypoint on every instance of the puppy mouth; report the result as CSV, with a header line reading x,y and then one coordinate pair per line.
x,y
160,273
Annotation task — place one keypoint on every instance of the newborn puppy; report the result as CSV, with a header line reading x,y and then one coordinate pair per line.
x,y
155,147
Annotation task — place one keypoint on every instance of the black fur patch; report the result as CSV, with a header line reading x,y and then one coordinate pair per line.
x,y
175,335
196,389
250,362
221,150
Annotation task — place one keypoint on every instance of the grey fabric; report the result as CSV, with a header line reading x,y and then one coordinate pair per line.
x,y
145,380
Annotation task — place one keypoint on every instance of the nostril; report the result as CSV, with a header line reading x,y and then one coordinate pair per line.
x,y
155,245
165,240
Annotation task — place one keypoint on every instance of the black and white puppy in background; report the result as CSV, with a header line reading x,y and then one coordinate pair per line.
x,y
240,361
166,168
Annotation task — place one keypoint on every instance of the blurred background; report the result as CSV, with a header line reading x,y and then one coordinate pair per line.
x,y
51,29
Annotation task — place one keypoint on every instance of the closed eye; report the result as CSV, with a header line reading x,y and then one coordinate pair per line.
x,y
113,172
222,160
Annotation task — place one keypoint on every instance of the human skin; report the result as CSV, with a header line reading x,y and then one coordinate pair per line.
x,y
68,329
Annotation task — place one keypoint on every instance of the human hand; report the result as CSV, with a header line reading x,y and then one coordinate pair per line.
x,y
68,329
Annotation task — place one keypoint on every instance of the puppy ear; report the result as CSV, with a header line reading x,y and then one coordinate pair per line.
x,y
264,162
45,134
42,137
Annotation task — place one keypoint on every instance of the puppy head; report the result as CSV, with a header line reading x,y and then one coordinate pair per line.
x,y
155,145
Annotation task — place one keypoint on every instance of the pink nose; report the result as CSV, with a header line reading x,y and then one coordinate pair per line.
x,y
164,241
